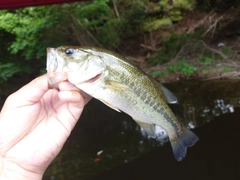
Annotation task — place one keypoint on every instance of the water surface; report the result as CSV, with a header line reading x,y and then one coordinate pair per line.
x,y
106,144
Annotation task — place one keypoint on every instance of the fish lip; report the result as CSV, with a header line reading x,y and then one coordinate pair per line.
x,y
51,56
55,75
54,78
93,79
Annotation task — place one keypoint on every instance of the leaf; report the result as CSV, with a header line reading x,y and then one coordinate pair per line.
x,y
8,70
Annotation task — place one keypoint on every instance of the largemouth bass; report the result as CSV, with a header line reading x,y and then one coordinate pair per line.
x,y
121,85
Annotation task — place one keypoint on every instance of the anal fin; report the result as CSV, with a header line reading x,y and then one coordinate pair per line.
x,y
149,128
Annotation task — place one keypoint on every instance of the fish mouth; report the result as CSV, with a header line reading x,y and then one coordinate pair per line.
x,y
55,74
93,79
55,78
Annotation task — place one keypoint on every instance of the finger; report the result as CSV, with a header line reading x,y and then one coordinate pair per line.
x,y
30,93
70,96
86,97
67,86
75,105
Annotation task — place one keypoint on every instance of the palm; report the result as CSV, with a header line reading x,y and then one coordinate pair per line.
x,y
36,136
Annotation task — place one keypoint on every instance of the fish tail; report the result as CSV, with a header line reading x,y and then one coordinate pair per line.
x,y
180,143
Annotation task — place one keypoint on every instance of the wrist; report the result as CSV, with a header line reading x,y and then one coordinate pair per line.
x,y
11,170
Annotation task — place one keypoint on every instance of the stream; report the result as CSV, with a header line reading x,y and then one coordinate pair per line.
x,y
106,144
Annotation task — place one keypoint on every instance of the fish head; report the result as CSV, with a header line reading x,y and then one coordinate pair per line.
x,y
76,64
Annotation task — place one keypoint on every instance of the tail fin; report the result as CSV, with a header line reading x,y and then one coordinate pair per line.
x,y
183,141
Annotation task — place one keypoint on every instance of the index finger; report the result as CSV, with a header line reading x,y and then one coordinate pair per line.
x,y
31,92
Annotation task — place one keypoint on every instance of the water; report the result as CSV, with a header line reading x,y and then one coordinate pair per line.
x,y
106,144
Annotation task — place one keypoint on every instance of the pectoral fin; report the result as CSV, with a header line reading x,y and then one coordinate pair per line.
x,y
171,99
114,85
149,128
109,105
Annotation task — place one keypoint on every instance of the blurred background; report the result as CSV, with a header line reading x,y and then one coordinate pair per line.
x,y
193,46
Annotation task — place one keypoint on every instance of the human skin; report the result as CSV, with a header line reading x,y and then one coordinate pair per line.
x,y
35,122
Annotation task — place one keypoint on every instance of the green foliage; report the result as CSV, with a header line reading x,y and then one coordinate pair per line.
x,y
26,33
36,28
132,21
154,24
163,14
8,70
206,70
226,50
227,69
31,30
163,4
93,15
216,5
204,59
176,41
156,74
175,15
115,29
183,67
184,4
108,35
160,58
25,24
170,47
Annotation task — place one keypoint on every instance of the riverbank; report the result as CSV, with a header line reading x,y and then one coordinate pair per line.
x,y
203,46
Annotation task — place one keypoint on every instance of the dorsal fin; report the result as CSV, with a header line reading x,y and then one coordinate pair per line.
x,y
171,99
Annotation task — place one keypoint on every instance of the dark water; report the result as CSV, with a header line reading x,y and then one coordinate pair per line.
x,y
109,145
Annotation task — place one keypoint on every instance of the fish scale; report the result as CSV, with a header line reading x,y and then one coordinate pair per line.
x,y
123,86
151,100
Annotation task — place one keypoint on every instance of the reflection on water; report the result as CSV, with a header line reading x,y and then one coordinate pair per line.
x,y
104,139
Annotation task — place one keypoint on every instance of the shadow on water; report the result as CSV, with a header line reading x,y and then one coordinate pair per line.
x,y
109,145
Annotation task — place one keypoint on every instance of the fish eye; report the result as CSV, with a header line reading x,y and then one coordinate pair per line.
x,y
69,51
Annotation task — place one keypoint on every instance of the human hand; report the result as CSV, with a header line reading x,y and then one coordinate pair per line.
x,y
35,122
